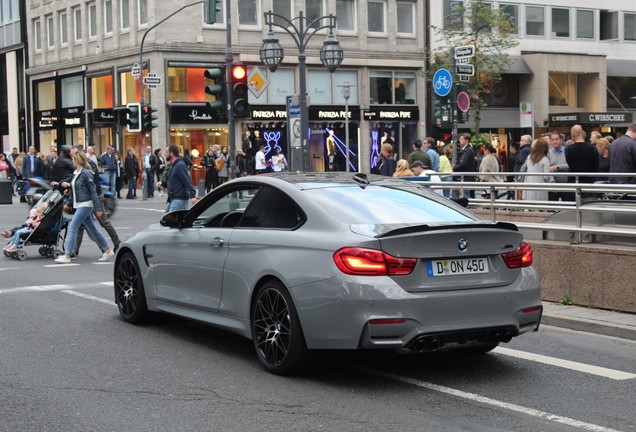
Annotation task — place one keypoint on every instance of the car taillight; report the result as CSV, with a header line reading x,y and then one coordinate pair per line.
x,y
522,257
372,262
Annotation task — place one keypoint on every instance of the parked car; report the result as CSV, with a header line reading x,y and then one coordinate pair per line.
x,y
304,261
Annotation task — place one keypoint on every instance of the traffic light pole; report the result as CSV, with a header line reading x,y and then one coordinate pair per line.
x,y
454,113
229,60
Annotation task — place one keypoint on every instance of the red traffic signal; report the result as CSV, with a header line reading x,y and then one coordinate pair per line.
x,y
239,91
239,73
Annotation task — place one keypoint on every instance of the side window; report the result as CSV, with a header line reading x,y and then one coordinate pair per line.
x,y
272,209
225,211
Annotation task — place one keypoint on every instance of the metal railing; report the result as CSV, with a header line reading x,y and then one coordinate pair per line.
x,y
589,198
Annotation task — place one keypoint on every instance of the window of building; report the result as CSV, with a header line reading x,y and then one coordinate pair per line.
x,y
63,28
284,8
630,27
406,18
584,24
375,16
453,15
481,22
129,87
620,91
92,20
281,84
562,89
561,22
248,12
187,84
101,92
314,9
142,10
73,91
535,21
37,35
50,32
609,25
512,13
392,87
341,78
124,12
108,17
77,24
46,95
346,13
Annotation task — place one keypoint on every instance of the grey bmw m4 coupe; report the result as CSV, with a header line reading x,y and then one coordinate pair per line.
x,y
304,261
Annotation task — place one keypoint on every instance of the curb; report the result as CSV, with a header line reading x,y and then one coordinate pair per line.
x,y
590,326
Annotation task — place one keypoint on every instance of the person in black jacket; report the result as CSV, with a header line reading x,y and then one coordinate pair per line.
x,y
581,157
131,168
525,148
466,162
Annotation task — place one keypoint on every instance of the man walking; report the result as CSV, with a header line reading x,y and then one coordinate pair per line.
x,y
149,164
466,162
131,167
180,187
581,157
418,154
558,163
431,151
622,156
109,164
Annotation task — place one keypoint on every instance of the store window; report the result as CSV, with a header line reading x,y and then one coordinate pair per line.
x,y
73,91
281,84
129,88
124,12
142,10
535,21
620,91
50,32
101,88
77,24
562,89
63,29
584,24
37,35
560,22
187,84
392,87
630,27
454,15
609,25
92,20
46,95
345,11
248,12
511,11
376,16
325,88
406,18
108,17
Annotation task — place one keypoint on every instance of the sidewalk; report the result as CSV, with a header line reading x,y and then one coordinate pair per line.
x,y
618,324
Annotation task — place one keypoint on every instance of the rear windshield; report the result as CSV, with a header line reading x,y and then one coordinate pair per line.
x,y
382,205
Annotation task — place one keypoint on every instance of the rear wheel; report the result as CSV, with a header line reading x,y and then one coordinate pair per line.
x,y
130,296
21,255
276,332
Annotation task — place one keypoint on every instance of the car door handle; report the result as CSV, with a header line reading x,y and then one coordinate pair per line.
x,y
216,242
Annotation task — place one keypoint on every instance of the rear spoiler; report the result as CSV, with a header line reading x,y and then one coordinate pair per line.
x,y
390,230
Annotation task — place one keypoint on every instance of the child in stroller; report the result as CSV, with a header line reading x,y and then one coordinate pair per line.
x,y
35,217
47,233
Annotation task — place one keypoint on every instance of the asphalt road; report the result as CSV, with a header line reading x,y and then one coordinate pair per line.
x,y
69,363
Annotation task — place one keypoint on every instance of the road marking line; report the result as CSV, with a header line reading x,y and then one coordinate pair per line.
x,y
489,401
89,297
567,364
58,287
60,265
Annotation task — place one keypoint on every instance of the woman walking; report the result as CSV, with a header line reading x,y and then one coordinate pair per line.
x,y
84,200
539,163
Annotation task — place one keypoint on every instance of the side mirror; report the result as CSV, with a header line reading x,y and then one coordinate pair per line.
x,y
174,219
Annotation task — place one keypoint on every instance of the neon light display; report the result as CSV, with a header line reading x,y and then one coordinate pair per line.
x,y
342,148
375,150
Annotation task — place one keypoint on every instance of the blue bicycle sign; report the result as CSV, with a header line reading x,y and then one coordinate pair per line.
x,y
442,82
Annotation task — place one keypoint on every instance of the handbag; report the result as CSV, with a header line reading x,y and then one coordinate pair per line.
x,y
219,163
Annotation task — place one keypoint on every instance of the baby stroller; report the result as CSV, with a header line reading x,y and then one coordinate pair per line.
x,y
50,231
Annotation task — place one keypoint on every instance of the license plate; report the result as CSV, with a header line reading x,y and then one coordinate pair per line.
x,y
453,267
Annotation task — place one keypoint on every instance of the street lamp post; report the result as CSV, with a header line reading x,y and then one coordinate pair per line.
x,y
346,94
301,29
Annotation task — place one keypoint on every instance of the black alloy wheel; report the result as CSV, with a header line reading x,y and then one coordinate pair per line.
x,y
129,290
276,332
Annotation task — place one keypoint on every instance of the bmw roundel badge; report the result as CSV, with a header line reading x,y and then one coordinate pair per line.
x,y
463,244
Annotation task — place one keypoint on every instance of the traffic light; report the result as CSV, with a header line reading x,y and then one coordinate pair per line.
x,y
442,109
239,91
147,118
217,90
133,117
211,8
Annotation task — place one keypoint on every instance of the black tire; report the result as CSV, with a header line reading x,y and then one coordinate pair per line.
x,y
130,296
43,251
110,204
21,255
276,331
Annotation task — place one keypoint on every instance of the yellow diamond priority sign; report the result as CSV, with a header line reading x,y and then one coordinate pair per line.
x,y
257,81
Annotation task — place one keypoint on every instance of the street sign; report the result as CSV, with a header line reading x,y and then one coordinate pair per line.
x,y
152,80
464,78
442,82
464,52
463,101
465,69
136,70
463,60
257,82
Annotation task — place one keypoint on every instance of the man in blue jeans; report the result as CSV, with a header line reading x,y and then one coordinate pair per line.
x,y
109,164
180,187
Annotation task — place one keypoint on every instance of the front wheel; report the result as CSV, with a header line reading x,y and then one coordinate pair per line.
x,y
130,296
276,332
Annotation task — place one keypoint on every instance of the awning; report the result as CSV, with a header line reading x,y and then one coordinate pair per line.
x,y
519,66
621,68
494,118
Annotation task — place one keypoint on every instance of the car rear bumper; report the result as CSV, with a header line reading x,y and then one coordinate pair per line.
x,y
377,313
